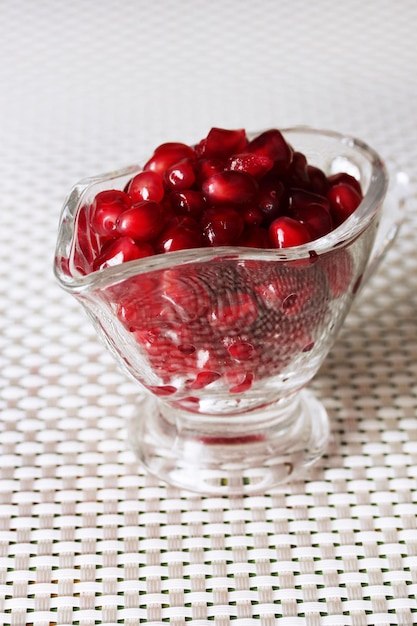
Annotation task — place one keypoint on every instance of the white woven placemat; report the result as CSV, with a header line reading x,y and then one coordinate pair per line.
x,y
85,536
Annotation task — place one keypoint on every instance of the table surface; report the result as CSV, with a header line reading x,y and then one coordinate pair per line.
x,y
86,537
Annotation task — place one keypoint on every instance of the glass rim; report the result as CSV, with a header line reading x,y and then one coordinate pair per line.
x,y
341,236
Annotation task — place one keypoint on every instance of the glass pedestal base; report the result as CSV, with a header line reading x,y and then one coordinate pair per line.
x,y
231,454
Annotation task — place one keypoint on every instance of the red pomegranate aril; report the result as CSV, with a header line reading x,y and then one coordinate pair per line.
x,y
222,226
272,198
230,187
143,221
204,378
285,232
188,202
254,237
297,175
257,165
185,293
167,154
346,179
179,236
221,143
180,175
252,215
315,217
318,180
105,210
344,200
239,349
233,311
272,144
146,185
245,385
205,168
117,251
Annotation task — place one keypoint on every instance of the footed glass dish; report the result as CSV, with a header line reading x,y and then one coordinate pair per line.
x,y
224,340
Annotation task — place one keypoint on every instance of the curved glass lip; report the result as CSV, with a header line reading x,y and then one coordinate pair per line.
x,y
349,230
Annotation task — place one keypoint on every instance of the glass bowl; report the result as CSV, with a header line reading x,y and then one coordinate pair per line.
x,y
224,340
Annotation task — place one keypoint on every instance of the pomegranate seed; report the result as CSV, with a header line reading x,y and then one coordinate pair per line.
x,y
344,200
205,168
233,310
272,198
117,251
272,144
185,293
188,202
204,378
179,236
318,181
346,179
245,385
285,232
143,221
239,349
222,227
230,187
257,165
105,210
252,215
146,186
254,237
316,218
180,175
312,210
297,175
221,143
167,154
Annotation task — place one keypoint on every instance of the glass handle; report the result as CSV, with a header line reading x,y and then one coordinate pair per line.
x,y
393,215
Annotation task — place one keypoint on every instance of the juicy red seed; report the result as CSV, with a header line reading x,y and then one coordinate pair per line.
x,y
105,210
222,227
241,350
302,199
143,221
297,175
254,237
167,154
272,198
318,180
257,165
180,175
117,251
188,202
234,310
146,186
230,187
252,215
245,385
272,144
346,179
344,200
221,143
285,232
205,168
162,390
185,293
204,378
316,218
178,236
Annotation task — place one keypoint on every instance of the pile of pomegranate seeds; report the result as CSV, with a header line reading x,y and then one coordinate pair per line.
x,y
225,191
227,324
